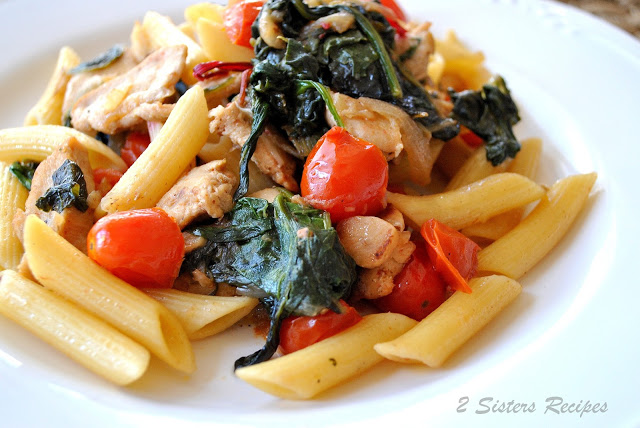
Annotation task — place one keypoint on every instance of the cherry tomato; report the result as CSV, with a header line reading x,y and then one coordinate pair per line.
x,y
112,176
142,247
454,256
299,332
238,20
345,176
135,144
418,289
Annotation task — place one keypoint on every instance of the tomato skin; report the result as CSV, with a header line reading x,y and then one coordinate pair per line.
x,y
345,176
418,289
135,144
391,4
143,247
238,20
112,176
471,138
454,255
298,332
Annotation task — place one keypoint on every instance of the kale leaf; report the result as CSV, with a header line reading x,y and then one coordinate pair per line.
x,y
490,113
69,189
285,253
24,171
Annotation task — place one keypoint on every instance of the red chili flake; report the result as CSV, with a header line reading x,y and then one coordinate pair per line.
x,y
208,70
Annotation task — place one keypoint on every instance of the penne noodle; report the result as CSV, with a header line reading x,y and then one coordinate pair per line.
x,y
162,32
166,158
12,197
312,370
475,168
39,141
73,331
211,11
526,164
470,204
524,246
48,110
203,316
217,45
454,322
61,267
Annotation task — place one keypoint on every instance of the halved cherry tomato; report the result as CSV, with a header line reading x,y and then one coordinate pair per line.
x,y
345,176
112,176
238,20
454,256
135,144
299,332
142,247
418,289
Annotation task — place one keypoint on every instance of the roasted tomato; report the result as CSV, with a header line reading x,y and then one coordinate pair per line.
x,y
298,332
418,289
345,176
142,247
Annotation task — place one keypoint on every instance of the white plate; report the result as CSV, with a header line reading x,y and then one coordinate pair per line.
x,y
571,334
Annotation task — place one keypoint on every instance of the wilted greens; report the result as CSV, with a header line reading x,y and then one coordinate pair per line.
x,y
69,189
286,254
24,171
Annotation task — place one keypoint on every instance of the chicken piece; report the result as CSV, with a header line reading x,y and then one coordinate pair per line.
x,y
82,83
269,156
422,45
206,190
390,129
369,240
72,224
119,103
378,282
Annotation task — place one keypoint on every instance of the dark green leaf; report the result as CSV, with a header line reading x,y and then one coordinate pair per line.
x,y
490,113
289,255
69,189
24,171
101,61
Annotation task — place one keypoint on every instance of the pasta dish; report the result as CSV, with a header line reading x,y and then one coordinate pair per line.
x,y
326,168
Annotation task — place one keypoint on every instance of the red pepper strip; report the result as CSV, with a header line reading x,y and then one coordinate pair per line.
x,y
208,70
471,138
400,30
453,254
244,83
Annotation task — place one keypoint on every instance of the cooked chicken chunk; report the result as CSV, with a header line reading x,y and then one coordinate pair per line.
x,y
72,224
269,156
369,240
133,97
419,42
206,190
82,83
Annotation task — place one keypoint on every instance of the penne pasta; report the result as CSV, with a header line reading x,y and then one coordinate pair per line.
x,y
526,164
166,158
475,168
211,11
162,32
216,43
73,331
312,370
12,197
454,322
470,204
48,110
61,267
203,316
39,141
524,246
